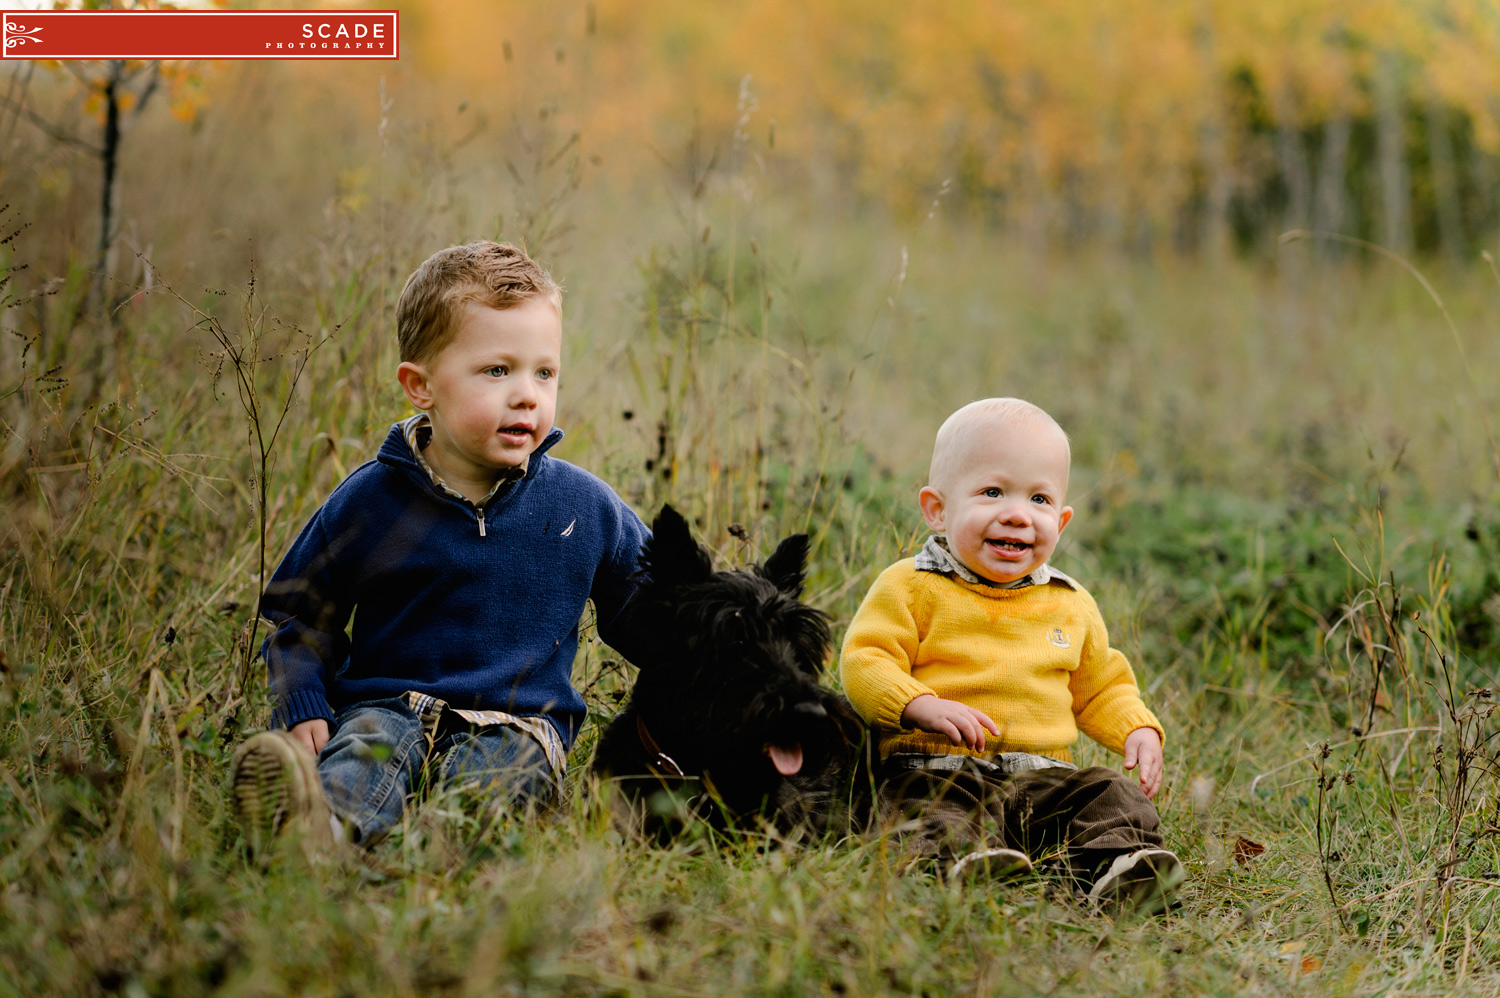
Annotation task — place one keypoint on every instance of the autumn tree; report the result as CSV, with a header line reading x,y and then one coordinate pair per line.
x,y
111,95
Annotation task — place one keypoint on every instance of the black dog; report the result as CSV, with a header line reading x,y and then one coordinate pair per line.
x,y
727,708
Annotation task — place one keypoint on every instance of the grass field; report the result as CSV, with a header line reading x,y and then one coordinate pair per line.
x,y
1285,478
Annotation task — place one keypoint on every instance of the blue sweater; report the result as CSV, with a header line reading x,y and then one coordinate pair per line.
x,y
483,621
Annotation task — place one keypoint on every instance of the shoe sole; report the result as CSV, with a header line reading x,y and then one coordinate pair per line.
x,y
1145,889
990,865
274,788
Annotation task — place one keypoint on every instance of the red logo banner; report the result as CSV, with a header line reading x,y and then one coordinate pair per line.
x,y
198,34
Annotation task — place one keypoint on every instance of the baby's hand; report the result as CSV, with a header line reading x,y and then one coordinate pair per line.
x,y
961,723
1143,748
313,735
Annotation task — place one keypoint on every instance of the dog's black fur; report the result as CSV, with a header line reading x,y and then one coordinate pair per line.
x,y
727,702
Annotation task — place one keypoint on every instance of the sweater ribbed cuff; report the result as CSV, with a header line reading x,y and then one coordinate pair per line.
x,y
1128,720
302,705
1155,726
893,700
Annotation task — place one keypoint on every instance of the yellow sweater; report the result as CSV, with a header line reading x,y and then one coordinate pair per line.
x,y
1037,660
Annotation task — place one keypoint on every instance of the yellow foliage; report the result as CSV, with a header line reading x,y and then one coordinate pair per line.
x,y
185,107
1043,93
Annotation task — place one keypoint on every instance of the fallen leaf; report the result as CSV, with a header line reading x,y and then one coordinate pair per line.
x,y
1246,849
1291,954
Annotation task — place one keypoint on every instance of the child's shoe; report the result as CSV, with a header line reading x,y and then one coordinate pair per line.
x,y
276,787
1142,882
990,864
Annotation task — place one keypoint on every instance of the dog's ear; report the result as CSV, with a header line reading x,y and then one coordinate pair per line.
x,y
671,556
787,566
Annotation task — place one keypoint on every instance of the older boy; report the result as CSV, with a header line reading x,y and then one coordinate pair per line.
x,y
978,634
465,555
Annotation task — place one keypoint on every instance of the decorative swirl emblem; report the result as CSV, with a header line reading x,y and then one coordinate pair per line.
x,y
16,35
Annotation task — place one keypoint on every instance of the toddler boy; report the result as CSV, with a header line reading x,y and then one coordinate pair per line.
x,y
465,555
977,635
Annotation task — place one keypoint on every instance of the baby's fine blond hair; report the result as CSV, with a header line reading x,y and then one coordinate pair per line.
x,y
951,448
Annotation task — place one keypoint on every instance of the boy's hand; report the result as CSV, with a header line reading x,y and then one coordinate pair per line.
x,y
961,723
1143,748
312,734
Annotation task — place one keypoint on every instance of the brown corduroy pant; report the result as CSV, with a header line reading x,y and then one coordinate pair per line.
x,y
1092,814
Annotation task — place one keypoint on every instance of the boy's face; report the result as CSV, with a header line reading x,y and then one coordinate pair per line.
x,y
1002,505
491,392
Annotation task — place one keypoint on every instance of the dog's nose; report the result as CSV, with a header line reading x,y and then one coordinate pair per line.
x,y
809,707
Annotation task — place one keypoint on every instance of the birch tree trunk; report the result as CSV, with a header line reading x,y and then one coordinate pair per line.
x,y
1444,179
1484,180
1034,214
1331,207
1213,140
1395,184
1214,233
1291,155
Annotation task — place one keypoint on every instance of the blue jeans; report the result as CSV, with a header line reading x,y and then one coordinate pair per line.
x,y
380,753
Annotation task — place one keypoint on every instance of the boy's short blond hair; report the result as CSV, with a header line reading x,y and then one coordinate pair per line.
x,y
951,446
498,275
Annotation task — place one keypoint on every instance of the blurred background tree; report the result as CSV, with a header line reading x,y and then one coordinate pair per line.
x,y
1140,124
111,94
1196,126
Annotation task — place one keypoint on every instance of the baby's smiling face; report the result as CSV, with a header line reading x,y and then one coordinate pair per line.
x,y
1000,503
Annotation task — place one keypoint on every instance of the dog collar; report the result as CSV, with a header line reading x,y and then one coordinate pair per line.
x,y
660,760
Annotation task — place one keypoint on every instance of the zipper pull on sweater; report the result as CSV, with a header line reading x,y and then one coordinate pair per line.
x,y
479,515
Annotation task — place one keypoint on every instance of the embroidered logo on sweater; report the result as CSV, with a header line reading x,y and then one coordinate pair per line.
x,y
568,531
1057,637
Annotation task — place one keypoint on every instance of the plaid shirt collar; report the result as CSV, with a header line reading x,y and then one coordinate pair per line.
x,y
935,557
418,431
